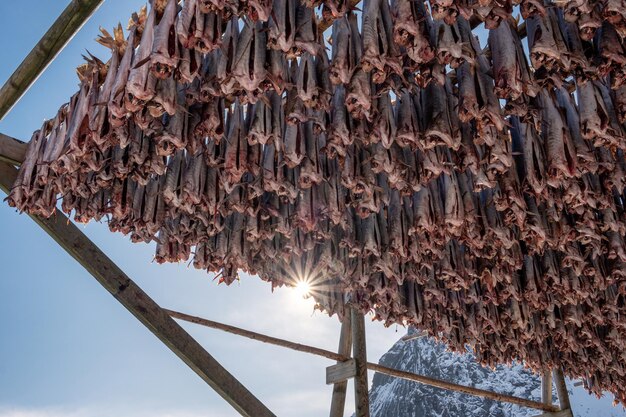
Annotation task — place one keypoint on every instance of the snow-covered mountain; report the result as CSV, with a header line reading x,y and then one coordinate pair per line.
x,y
393,397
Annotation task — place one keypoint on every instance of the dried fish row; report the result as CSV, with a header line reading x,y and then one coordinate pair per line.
x,y
225,133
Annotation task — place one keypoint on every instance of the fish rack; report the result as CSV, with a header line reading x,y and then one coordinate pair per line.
x,y
160,322
389,128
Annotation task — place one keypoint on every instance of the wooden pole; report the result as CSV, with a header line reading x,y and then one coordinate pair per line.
x,y
561,389
148,312
338,402
12,150
258,336
546,387
53,41
359,352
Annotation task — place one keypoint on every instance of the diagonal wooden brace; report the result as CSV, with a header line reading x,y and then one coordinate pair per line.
x,y
146,310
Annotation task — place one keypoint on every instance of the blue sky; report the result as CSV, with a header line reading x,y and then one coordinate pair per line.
x,y
67,348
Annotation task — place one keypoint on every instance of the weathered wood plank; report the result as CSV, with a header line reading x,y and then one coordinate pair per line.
x,y
371,366
561,389
359,352
338,402
147,311
340,372
562,413
460,388
12,150
53,41
256,336
546,387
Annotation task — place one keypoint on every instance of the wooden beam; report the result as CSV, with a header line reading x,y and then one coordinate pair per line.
x,y
53,41
562,413
561,389
12,150
416,335
371,366
359,352
257,336
546,387
461,388
340,372
147,311
338,402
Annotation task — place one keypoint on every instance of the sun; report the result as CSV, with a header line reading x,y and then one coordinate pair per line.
x,y
302,289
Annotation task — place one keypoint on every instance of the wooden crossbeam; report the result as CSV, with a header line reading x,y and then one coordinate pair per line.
x,y
257,336
461,388
417,335
562,413
146,310
53,41
158,320
12,150
341,356
373,366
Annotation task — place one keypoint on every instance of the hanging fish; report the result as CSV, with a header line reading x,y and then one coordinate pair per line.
x,y
283,26
346,49
546,43
165,55
380,55
407,122
510,69
249,65
140,86
307,36
226,62
412,28
236,143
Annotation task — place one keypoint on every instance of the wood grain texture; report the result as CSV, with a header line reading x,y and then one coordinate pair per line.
x,y
53,41
344,354
338,402
461,388
561,389
546,388
257,336
359,351
562,413
340,372
12,150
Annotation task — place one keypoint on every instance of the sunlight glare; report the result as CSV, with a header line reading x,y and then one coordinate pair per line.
x,y
302,289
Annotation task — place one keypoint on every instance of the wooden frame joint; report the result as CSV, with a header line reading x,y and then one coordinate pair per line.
x,y
340,372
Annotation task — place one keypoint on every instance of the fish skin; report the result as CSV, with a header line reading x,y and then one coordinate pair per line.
x,y
165,51
412,28
140,85
249,70
283,26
